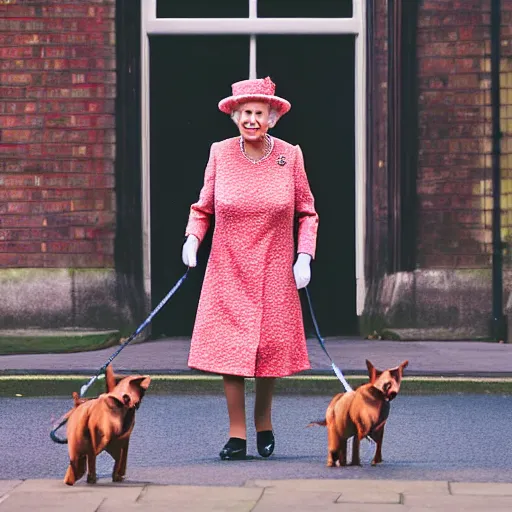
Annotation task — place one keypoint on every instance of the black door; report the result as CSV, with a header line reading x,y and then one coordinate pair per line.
x,y
189,75
316,74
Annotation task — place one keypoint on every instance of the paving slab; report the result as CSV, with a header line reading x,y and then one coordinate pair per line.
x,y
171,506
371,496
292,500
298,495
358,487
113,506
8,485
185,497
128,492
459,502
51,502
486,489
109,505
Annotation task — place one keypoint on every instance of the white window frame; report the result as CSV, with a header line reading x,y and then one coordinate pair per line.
x,y
252,26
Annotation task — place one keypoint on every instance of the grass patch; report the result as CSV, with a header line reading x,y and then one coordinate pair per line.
x,y
56,344
64,385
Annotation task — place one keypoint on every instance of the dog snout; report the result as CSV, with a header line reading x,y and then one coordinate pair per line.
x,y
392,395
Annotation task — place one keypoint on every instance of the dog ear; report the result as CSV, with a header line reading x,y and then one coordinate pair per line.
x,y
143,382
111,379
372,372
403,366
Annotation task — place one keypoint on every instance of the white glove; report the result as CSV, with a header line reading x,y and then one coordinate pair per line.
x,y
189,251
302,271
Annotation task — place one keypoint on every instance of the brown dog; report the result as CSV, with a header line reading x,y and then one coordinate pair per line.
x,y
361,413
103,423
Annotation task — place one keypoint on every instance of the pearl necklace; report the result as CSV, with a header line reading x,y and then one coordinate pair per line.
x,y
269,146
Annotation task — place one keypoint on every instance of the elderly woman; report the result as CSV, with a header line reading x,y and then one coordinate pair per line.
x,y
249,318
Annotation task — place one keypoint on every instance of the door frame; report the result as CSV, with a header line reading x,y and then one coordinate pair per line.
x,y
252,26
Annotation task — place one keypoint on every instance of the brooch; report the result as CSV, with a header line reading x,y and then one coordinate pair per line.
x,y
281,160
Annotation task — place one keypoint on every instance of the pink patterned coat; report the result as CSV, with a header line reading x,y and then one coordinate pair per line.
x,y
249,318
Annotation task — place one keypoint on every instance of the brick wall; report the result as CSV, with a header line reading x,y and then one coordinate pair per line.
x,y
57,94
454,130
506,128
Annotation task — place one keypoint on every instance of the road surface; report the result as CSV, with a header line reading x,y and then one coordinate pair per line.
x,y
177,439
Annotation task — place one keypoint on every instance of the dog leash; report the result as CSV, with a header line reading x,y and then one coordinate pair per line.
x,y
102,370
141,327
336,370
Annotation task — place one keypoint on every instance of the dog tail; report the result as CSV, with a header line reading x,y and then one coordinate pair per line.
x,y
53,434
322,423
62,421
56,439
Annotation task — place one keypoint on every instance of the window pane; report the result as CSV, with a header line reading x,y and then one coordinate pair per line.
x,y
202,9
305,8
316,74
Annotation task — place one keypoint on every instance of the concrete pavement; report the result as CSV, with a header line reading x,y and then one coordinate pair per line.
x,y
440,358
258,496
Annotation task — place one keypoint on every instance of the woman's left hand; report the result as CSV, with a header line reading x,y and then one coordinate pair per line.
x,y
302,270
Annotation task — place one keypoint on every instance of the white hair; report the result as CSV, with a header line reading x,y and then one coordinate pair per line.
x,y
273,116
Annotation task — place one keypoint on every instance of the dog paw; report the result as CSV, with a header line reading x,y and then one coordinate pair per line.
x,y
69,477
91,479
117,478
375,462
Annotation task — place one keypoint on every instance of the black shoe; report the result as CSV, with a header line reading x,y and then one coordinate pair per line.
x,y
266,443
234,449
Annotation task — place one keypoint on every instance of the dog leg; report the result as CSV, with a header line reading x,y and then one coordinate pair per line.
x,y
356,461
69,478
124,459
343,452
91,467
333,446
378,436
75,471
115,452
119,453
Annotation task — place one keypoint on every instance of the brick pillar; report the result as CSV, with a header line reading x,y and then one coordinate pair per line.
x,y
57,90
57,145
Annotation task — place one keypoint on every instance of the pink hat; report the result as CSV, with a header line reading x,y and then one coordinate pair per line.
x,y
260,89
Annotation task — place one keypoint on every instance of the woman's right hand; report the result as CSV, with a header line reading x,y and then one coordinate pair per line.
x,y
189,251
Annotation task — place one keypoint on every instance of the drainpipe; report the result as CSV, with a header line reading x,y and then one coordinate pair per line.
x,y
498,322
